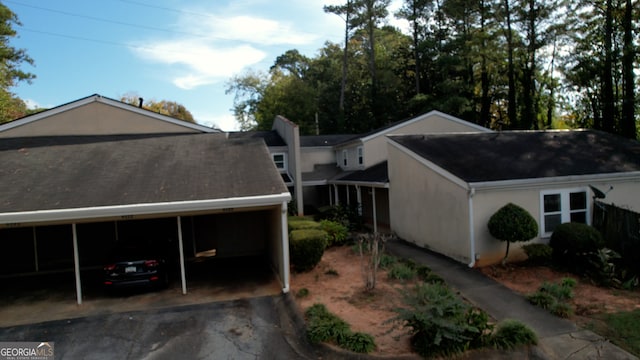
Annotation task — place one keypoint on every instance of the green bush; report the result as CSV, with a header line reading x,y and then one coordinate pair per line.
x,y
301,223
358,342
338,233
441,323
386,261
302,293
306,248
571,242
511,223
554,296
539,254
510,334
401,271
323,326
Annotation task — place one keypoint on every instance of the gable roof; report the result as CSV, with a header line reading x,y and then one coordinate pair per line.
x,y
325,140
56,173
519,155
107,101
391,128
271,138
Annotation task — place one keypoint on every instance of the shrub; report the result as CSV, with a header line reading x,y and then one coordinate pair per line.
x,y
538,253
323,326
302,293
554,296
301,223
440,323
306,248
338,233
358,342
401,271
511,223
510,334
571,242
600,267
348,216
386,261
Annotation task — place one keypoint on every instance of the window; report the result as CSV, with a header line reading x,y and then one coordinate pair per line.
x,y
562,206
344,158
280,160
360,156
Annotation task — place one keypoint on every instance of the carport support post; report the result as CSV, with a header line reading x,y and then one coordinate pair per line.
x,y
181,249
76,263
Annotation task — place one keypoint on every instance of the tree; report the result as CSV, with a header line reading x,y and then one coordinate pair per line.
x,y
511,223
164,107
11,60
345,12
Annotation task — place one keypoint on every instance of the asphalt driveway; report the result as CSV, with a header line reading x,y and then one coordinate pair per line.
x,y
253,328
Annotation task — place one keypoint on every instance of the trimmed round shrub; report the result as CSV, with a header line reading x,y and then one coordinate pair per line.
x,y
512,223
538,253
302,223
571,242
338,233
306,248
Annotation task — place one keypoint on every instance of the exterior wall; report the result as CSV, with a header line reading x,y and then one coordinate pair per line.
x,y
352,157
487,202
95,118
291,135
311,156
427,209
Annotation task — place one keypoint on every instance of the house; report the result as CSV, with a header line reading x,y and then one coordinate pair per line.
x,y
84,176
363,179
445,187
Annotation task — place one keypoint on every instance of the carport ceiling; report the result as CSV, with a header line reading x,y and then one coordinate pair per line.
x,y
119,172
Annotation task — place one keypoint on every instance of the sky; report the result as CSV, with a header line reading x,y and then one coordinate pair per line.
x,y
176,50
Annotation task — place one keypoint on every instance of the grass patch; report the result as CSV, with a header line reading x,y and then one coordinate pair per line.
x,y
621,328
401,271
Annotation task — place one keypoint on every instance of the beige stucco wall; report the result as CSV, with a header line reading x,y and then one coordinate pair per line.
x,y
487,201
426,209
95,118
310,156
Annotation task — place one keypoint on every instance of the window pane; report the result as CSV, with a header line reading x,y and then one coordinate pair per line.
x,y
551,203
551,221
578,200
579,216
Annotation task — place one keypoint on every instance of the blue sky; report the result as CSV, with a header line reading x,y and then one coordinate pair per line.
x,y
177,50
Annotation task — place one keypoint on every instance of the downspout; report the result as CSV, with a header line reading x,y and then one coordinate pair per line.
x,y
76,263
183,277
285,249
472,240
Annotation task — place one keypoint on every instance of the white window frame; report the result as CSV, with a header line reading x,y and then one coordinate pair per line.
x,y
345,158
284,161
360,155
565,210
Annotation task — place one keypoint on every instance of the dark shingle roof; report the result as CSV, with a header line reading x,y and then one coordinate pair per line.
x,y
481,157
375,174
271,138
118,171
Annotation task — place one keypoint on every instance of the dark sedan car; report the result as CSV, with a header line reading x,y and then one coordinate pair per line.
x,y
136,269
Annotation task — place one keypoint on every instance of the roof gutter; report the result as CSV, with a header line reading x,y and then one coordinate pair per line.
x,y
523,183
37,216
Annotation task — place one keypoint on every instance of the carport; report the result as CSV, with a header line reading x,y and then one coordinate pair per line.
x,y
202,192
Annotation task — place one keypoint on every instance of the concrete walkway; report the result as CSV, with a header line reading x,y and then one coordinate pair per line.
x,y
558,338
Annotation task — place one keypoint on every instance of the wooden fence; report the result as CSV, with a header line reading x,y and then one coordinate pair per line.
x,y
621,231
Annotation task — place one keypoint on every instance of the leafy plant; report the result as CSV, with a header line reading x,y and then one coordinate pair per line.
x,y
538,253
371,250
401,271
386,261
323,326
601,267
338,233
510,334
440,323
332,272
302,293
511,223
554,296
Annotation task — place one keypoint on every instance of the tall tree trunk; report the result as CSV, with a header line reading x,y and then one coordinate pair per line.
x,y
528,81
511,73
416,53
628,121
607,72
485,99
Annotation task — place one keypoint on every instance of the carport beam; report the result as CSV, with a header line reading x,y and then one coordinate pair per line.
x,y
181,249
76,263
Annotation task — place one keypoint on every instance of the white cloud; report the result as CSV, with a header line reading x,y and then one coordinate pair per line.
x,y
225,122
204,63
